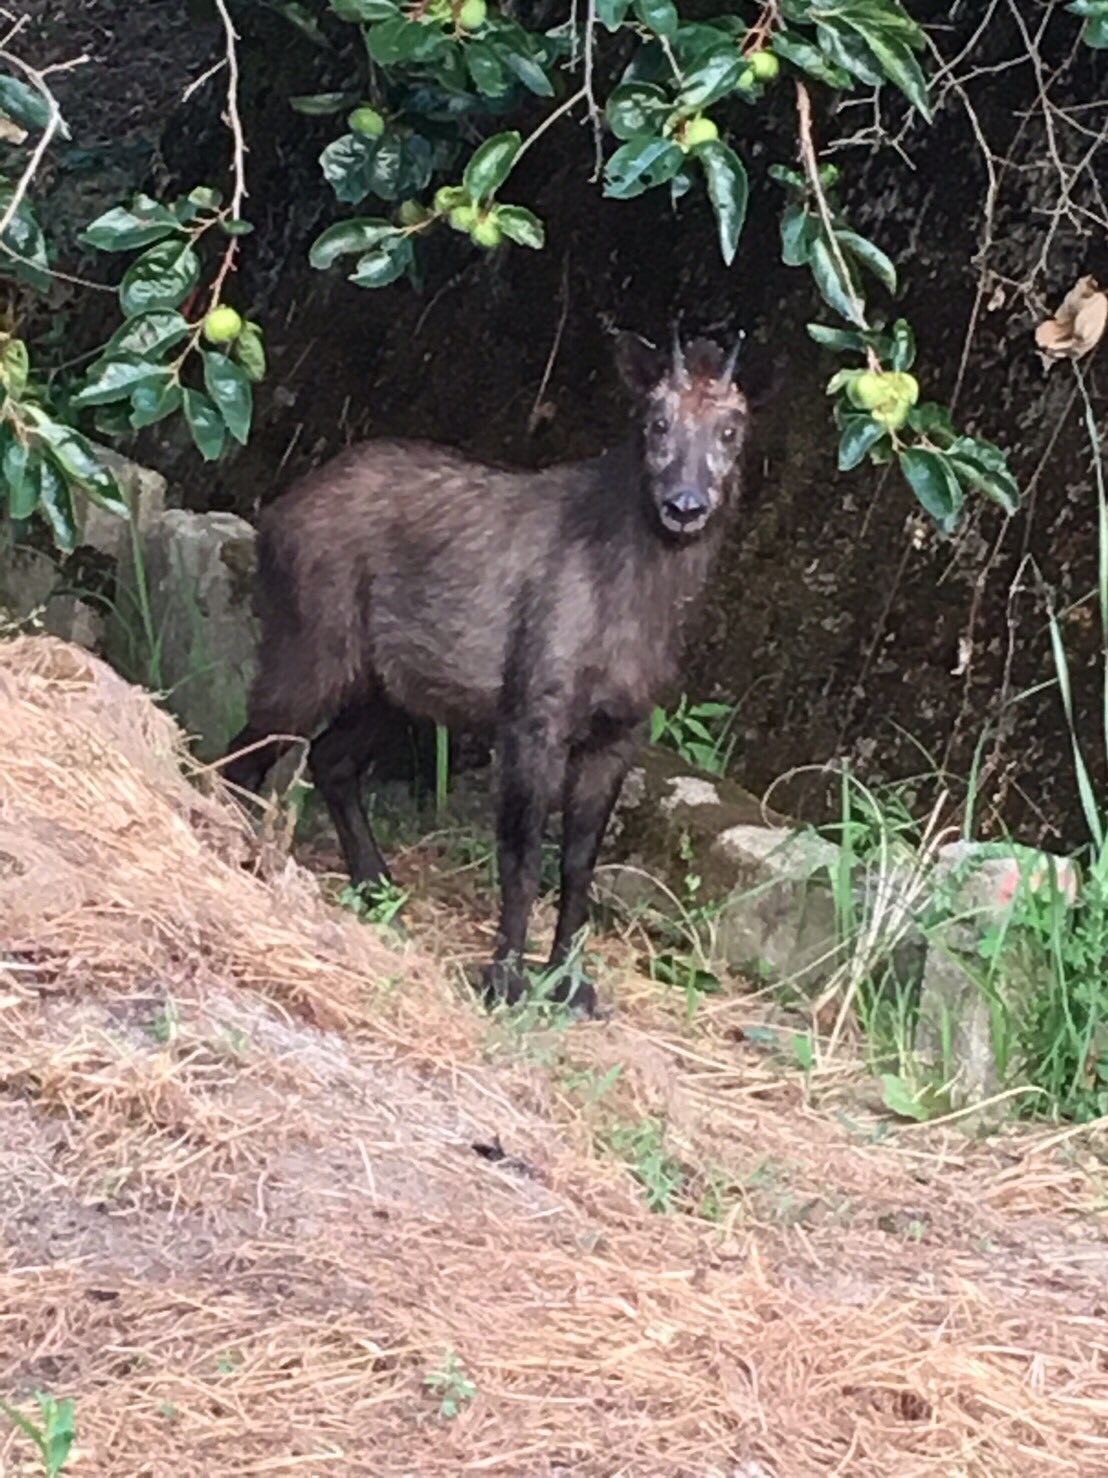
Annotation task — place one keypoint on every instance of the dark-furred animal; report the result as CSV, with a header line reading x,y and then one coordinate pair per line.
x,y
547,609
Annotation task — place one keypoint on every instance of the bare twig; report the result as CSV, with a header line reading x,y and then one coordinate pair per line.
x,y
535,416
811,172
53,122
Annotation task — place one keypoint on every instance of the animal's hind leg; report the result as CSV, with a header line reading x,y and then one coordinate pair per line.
x,y
338,759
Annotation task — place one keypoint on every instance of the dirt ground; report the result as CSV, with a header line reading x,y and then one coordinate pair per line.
x,y
277,1197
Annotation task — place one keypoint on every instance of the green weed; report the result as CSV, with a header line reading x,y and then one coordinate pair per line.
x,y
52,1434
450,1383
699,732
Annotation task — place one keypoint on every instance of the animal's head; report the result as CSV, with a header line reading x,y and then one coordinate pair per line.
x,y
694,420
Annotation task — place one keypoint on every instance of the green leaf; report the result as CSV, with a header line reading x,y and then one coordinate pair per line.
x,y
529,73
153,402
900,1100
636,110
984,467
640,165
728,189
230,390
162,277
346,163
859,435
808,58
712,78
400,166
839,291
904,345
364,10
21,483
487,70
870,256
15,365
929,476
521,226
249,351
612,13
896,60
357,235
236,227
205,423
799,232
125,228
52,496
1094,33
388,261
399,40
149,334
27,105
320,104
659,16
843,339
933,420
847,51
115,379
74,455
23,240
490,165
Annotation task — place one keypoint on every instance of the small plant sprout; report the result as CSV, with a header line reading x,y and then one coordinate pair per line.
x,y
52,1434
374,903
700,733
451,1384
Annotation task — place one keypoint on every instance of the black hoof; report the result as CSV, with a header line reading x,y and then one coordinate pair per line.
x,y
577,993
503,984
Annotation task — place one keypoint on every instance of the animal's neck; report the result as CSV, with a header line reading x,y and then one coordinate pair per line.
x,y
670,574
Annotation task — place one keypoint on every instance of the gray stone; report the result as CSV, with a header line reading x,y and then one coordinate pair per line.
x,y
144,493
983,970
27,581
681,840
198,577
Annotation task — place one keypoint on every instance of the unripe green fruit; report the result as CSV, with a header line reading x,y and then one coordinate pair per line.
x,y
892,415
486,232
473,13
870,389
411,213
367,121
222,325
765,65
463,217
904,387
698,130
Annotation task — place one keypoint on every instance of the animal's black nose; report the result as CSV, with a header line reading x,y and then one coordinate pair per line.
x,y
685,507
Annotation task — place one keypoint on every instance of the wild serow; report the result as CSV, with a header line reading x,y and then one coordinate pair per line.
x,y
547,609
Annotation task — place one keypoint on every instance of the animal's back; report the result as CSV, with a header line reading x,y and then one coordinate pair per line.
x,y
402,562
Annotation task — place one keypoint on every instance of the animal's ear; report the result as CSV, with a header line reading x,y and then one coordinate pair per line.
x,y
641,365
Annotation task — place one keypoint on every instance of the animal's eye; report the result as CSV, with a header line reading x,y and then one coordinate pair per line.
x,y
659,425
727,434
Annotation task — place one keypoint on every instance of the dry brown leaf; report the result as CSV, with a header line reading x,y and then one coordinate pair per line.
x,y
1079,324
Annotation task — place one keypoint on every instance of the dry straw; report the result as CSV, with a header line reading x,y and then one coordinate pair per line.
x,y
244,1222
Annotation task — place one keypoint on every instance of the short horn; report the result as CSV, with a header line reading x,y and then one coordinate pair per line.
x,y
680,368
728,371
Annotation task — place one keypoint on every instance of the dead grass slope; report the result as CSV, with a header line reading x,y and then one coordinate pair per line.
x,y
243,1220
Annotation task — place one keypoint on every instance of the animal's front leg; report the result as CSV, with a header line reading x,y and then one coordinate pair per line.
x,y
532,763
593,781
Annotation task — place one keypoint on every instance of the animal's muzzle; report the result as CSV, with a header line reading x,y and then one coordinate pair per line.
x,y
686,511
